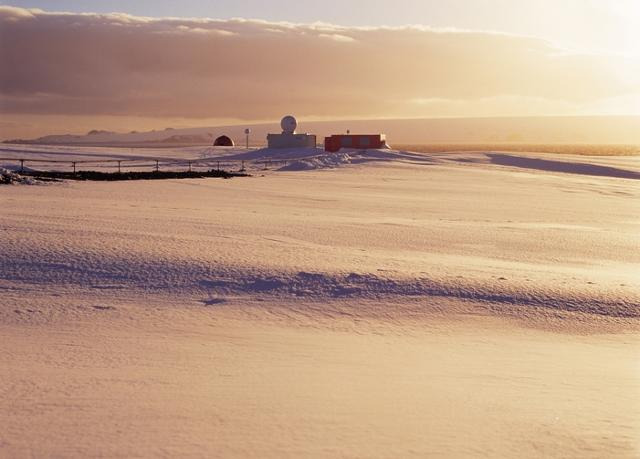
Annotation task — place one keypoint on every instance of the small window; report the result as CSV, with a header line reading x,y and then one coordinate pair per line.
x,y
346,142
365,142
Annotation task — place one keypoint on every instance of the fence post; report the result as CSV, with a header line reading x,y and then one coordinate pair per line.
x,y
22,165
157,166
74,167
242,169
119,170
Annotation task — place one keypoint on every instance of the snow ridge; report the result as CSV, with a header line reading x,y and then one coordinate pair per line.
x,y
192,278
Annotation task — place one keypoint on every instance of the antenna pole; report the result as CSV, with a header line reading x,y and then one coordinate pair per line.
x,y
247,131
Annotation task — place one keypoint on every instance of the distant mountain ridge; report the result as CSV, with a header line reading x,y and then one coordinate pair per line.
x,y
553,129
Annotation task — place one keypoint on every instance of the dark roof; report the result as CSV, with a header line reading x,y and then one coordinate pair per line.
x,y
223,141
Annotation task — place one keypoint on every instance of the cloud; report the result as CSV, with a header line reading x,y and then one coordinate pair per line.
x,y
11,14
336,37
123,65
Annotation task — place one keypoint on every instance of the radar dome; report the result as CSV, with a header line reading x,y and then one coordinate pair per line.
x,y
289,124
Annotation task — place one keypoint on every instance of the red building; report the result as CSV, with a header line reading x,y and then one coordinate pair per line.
x,y
361,141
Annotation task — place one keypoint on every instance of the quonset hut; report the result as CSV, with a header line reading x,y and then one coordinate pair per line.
x,y
223,141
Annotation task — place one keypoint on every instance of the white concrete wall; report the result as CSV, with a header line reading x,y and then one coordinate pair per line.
x,y
291,140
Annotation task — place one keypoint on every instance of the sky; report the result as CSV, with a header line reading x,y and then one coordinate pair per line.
x,y
143,64
605,25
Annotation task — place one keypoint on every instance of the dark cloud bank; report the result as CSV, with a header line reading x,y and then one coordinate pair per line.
x,y
115,64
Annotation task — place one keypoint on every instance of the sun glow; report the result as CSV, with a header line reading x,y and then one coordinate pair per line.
x,y
626,18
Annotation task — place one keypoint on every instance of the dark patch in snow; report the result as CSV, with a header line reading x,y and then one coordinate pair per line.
x,y
213,301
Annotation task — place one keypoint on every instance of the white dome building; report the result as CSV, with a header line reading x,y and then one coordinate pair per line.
x,y
289,138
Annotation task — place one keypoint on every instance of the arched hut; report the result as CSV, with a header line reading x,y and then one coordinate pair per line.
x,y
223,141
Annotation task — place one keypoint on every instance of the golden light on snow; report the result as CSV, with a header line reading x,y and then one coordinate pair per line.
x,y
368,304
470,288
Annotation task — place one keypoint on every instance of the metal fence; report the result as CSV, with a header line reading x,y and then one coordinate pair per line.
x,y
145,164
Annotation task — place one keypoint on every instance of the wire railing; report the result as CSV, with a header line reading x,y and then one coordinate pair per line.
x,y
122,165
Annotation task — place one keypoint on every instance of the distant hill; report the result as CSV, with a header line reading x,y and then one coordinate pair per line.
x,y
526,130
99,132
189,139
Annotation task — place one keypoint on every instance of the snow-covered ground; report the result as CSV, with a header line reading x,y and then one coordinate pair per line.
x,y
365,304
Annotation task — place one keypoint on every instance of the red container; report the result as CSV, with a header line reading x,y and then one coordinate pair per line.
x,y
357,141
